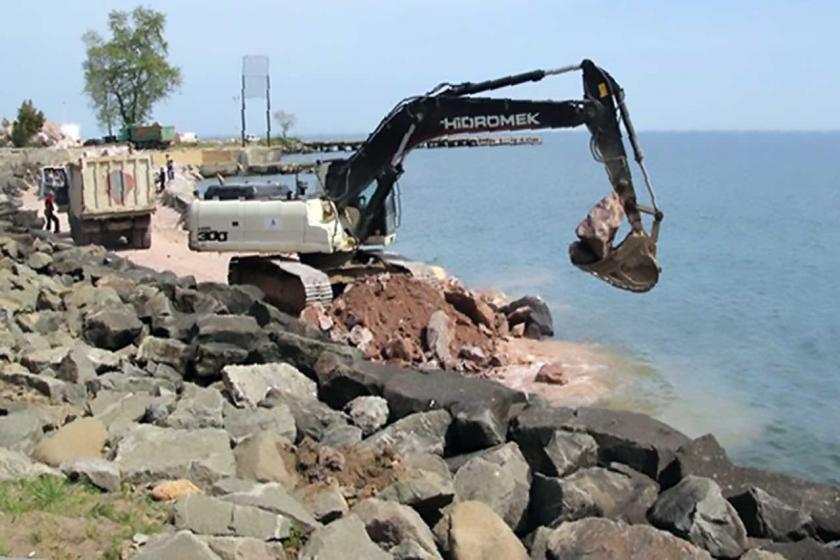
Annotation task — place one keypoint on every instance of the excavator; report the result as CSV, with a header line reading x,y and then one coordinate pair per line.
x,y
300,249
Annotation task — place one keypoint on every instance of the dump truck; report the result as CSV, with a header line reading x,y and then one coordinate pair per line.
x,y
112,200
153,136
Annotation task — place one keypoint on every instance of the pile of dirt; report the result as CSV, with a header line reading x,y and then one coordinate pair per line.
x,y
360,472
425,322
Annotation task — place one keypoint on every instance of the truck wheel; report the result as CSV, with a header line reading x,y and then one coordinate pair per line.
x,y
78,233
141,237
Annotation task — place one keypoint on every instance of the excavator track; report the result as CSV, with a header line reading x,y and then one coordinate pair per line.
x,y
291,285
288,284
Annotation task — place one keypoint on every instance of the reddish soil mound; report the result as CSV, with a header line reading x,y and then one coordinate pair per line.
x,y
396,311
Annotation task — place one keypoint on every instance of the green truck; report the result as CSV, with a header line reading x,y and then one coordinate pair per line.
x,y
153,136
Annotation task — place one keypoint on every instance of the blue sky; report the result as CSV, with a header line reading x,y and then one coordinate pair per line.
x,y
340,66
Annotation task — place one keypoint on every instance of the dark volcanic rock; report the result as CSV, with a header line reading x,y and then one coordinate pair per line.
x,y
636,440
501,478
180,326
227,329
807,549
237,299
555,501
705,457
696,510
304,352
536,313
767,517
480,408
603,539
113,327
621,494
211,357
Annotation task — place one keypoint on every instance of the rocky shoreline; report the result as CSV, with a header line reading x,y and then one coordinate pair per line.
x,y
269,439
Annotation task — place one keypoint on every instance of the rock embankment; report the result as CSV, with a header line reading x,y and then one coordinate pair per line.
x,y
271,440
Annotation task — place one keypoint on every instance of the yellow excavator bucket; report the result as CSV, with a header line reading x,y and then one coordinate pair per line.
x,y
631,266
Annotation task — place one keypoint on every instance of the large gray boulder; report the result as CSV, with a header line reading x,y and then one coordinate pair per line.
x,y
555,501
767,517
807,549
605,539
243,422
113,327
257,458
179,546
76,367
568,451
480,408
508,493
275,498
22,428
198,407
250,384
245,548
696,510
618,493
205,515
98,472
174,325
340,540
171,352
639,441
312,417
326,503
423,432
211,357
390,523
426,491
15,465
149,453
705,457
238,330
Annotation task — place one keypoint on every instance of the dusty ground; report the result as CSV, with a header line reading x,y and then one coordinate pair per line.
x,y
169,249
52,518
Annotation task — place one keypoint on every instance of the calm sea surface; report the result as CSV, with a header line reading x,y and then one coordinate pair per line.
x,y
740,338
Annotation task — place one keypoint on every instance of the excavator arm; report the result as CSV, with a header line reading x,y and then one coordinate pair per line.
x,y
364,182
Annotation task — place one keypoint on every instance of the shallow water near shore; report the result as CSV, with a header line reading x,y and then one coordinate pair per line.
x,y
740,338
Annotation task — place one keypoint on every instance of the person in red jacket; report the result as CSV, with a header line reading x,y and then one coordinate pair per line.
x,y
49,212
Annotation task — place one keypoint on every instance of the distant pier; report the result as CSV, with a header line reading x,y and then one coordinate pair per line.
x,y
323,146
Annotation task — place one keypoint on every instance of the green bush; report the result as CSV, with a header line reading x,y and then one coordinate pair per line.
x,y
29,122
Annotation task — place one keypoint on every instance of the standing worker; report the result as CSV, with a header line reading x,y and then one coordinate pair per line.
x,y
49,211
161,179
170,168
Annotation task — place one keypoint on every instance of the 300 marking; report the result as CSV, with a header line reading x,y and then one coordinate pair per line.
x,y
213,235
